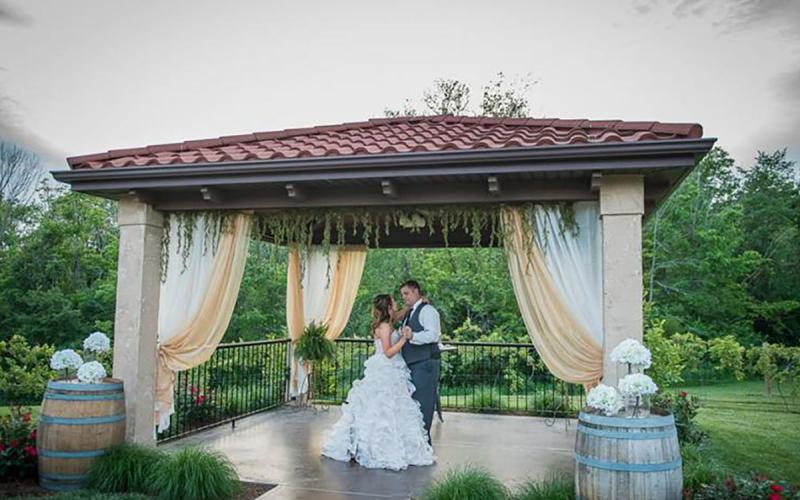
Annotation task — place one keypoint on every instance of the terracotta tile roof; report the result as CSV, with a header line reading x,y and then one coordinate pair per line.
x,y
388,136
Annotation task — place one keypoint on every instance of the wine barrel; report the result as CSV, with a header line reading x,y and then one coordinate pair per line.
x,y
627,458
78,422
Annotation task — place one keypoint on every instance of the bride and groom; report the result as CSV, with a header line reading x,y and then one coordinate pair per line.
x,y
386,419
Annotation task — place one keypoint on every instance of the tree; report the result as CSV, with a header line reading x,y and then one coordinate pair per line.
x,y
451,97
20,172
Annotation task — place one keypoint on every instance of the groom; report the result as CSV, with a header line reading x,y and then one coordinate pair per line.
x,y
422,329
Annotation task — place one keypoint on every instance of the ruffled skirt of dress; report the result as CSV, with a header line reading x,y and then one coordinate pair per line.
x,y
381,424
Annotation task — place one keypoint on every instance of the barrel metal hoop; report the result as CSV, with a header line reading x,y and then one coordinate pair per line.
x,y
665,421
83,397
627,435
602,464
63,477
66,386
60,486
72,454
108,419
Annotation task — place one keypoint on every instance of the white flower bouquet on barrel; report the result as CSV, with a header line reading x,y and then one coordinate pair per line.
x,y
87,369
634,388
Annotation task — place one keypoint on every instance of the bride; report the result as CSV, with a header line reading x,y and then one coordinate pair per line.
x,y
381,426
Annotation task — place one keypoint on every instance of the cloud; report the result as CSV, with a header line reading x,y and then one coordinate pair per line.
x,y
11,130
11,15
733,15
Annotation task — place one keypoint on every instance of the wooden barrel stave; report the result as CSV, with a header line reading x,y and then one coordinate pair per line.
x,y
77,424
624,458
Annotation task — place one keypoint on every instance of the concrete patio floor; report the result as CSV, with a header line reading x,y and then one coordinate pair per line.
x,y
282,447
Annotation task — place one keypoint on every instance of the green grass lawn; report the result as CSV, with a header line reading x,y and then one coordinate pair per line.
x,y
750,431
4,410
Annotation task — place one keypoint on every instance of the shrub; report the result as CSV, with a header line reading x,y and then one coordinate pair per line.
x,y
24,370
556,487
742,488
684,408
467,483
667,364
196,474
727,355
698,468
126,468
17,444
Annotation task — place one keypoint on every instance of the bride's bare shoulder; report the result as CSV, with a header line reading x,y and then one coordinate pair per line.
x,y
383,329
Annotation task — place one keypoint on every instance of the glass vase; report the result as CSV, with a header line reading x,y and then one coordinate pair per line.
x,y
628,369
637,406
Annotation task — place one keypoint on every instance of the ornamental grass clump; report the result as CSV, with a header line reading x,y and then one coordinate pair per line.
x,y
555,487
468,483
126,468
196,474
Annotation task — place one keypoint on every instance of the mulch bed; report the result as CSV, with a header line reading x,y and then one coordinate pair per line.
x,y
30,488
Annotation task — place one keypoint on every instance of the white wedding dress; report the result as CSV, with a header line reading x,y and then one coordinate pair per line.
x,y
381,425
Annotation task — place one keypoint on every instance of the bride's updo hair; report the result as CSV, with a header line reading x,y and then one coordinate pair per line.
x,y
380,310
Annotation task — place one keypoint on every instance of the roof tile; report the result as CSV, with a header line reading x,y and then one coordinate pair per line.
x,y
390,136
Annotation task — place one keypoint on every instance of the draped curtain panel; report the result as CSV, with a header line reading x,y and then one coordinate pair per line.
x,y
551,296
197,300
320,288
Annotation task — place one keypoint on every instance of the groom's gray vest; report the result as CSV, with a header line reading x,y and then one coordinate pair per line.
x,y
414,353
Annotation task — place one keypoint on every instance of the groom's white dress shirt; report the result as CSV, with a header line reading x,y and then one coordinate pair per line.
x,y
429,319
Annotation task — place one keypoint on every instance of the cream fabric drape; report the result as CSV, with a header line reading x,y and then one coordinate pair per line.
x,y
196,304
575,262
322,289
568,350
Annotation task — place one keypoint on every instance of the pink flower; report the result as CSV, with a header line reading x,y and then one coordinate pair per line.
x,y
777,488
30,451
774,496
2,447
14,443
192,389
200,399
26,417
683,394
32,435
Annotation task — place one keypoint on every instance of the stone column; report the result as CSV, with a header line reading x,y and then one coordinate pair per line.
x,y
136,319
621,209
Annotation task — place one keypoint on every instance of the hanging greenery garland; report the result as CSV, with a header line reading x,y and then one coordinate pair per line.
x,y
328,227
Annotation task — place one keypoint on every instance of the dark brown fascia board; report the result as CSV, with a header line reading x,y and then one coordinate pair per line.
x,y
583,157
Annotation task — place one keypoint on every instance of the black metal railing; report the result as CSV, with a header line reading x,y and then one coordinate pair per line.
x,y
249,377
238,380
475,376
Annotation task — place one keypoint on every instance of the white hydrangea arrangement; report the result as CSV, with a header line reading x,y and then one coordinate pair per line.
x,y
88,370
632,389
637,385
96,343
606,398
632,351
66,360
91,372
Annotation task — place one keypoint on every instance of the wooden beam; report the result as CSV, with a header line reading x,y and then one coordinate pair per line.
x,y
494,185
263,197
389,188
142,196
597,181
295,192
212,195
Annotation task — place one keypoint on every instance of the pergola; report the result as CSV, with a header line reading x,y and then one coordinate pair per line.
x,y
628,167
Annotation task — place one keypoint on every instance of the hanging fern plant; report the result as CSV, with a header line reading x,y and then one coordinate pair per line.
x,y
313,345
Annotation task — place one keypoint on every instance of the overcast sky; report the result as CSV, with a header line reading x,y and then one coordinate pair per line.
x,y
82,76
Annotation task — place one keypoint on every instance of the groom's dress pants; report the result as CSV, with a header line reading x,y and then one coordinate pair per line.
x,y
425,377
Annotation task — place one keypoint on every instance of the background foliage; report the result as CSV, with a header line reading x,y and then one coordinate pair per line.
x,y
721,261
